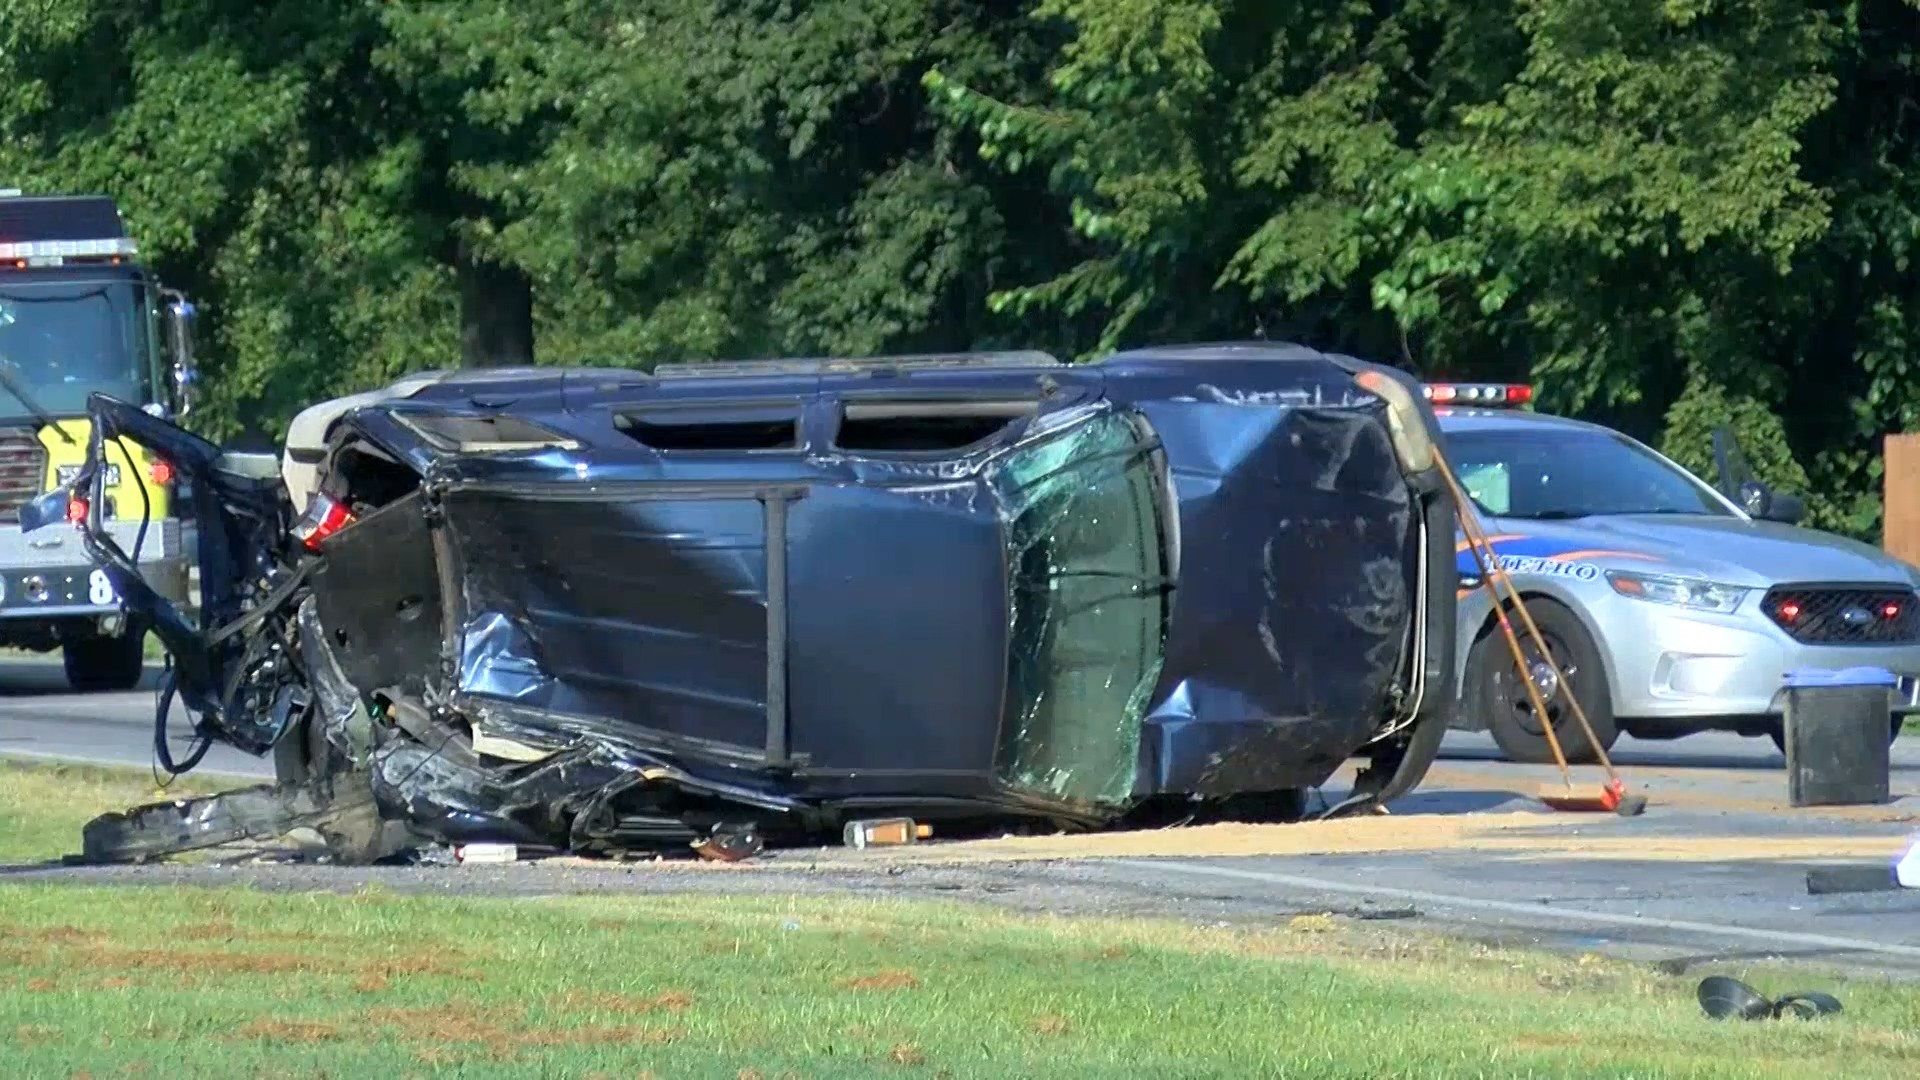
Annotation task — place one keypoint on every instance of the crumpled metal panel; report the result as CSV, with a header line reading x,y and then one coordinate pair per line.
x,y
1297,542
652,611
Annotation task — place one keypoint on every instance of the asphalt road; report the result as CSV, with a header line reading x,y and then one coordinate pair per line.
x,y
41,718
1686,914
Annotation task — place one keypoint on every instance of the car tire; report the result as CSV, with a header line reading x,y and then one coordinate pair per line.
x,y
100,664
1498,695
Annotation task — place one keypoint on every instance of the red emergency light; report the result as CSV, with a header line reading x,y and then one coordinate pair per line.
x,y
30,254
1491,395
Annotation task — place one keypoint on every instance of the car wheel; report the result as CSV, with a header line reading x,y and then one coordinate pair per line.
x,y
98,664
1502,699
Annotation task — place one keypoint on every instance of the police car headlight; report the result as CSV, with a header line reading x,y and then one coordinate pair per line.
x,y
1696,593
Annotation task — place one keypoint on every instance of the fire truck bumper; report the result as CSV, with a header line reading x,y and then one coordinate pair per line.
x,y
48,574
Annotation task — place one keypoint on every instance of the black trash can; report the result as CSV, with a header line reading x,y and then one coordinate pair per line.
x,y
1836,735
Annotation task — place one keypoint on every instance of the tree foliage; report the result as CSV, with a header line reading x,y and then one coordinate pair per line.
x,y
1668,214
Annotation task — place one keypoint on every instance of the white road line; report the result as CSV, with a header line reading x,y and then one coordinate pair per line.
x,y
1535,911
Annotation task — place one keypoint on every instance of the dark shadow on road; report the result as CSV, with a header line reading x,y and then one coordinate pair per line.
x,y
43,678
1456,801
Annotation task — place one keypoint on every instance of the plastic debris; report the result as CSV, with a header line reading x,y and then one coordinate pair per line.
x,y
487,853
884,832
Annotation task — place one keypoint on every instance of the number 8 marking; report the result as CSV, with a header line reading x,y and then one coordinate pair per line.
x,y
99,589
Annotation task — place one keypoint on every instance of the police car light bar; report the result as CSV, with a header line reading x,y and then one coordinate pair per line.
x,y
56,252
1487,394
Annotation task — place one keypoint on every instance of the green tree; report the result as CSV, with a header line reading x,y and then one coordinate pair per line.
x,y
1607,197
717,178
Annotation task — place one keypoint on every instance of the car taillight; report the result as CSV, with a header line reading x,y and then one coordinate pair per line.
x,y
323,518
160,471
78,509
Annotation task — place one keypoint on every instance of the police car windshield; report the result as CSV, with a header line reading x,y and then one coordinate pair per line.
x,y
1568,472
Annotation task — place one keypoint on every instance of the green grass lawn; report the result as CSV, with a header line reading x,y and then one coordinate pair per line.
x,y
216,982
43,806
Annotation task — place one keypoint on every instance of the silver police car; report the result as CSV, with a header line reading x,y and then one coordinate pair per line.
x,y
1672,607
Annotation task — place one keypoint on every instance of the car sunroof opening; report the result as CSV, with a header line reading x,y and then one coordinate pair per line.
x,y
782,433
909,427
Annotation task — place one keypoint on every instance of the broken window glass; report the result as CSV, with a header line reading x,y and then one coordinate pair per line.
x,y
1087,596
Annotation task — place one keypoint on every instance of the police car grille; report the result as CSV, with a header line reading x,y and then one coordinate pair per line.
x,y
23,468
1861,615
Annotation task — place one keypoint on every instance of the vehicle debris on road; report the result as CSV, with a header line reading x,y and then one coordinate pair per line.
x,y
1725,998
885,832
608,610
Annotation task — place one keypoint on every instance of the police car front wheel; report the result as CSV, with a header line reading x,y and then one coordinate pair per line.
x,y
1500,697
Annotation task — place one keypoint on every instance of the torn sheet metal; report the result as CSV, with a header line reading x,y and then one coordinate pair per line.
x,y
604,611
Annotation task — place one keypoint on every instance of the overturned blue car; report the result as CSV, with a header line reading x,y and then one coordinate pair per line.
x,y
606,610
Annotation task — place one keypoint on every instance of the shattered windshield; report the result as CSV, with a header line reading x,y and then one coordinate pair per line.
x,y
65,340
1087,596
1570,472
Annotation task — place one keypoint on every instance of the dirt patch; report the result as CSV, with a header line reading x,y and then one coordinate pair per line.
x,y
58,935
1598,836
212,963
882,980
226,931
226,962
42,986
504,1031
593,1035
1051,1024
287,1031
907,1054
33,1035
671,1001
456,1022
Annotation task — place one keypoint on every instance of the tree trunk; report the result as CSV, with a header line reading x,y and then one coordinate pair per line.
x,y
496,312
